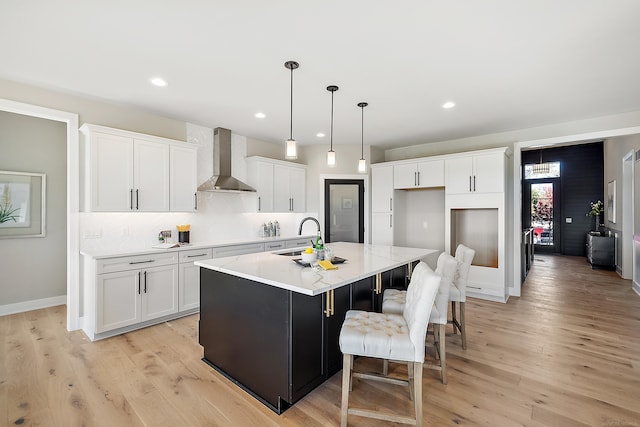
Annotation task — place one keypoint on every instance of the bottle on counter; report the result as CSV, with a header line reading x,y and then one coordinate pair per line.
x,y
276,227
319,246
263,230
269,229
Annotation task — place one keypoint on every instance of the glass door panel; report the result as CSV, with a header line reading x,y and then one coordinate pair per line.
x,y
542,213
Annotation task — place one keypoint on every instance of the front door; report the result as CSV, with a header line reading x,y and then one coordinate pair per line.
x,y
344,210
543,214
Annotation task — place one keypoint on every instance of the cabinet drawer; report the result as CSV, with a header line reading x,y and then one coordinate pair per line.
x,y
271,246
298,242
233,250
109,265
195,255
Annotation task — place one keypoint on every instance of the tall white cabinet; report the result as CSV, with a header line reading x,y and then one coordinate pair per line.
x,y
131,172
476,209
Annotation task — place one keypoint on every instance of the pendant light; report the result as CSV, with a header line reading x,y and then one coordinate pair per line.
x,y
362,164
292,150
331,155
541,168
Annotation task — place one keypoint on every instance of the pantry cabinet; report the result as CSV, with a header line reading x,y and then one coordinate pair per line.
x,y
382,180
280,186
130,172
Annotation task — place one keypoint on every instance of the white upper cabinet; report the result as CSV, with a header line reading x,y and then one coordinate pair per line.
x,y
482,173
183,178
423,174
130,172
382,188
150,176
281,186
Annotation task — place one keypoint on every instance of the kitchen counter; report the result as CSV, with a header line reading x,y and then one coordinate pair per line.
x,y
145,250
280,271
271,326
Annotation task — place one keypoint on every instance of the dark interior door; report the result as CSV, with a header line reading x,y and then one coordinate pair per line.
x,y
542,212
344,210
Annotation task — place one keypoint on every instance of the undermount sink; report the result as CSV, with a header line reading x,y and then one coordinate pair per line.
x,y
290,253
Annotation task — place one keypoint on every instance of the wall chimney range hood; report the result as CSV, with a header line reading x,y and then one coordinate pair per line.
x,y
222,179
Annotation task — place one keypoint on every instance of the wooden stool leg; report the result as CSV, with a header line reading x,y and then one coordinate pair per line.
x,y
385,367
347,363
411,378
417,393
441,344
463,329
453,316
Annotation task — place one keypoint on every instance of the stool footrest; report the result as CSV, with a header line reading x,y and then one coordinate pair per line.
x,y
380,378
382,416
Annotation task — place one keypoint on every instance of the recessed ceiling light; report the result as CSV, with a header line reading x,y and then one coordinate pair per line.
x,y
448,105
320,135
158,81
261,115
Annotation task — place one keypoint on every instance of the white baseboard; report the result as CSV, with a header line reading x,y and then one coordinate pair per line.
x,y
21,307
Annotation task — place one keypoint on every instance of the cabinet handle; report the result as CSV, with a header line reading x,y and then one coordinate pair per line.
x,y
131,199
195,256
378,287
415,179
391,203
330,304
142,262
259,203
418,173
469,183
145,282
139,283
390,221
291,202
195,201
137,199
474,183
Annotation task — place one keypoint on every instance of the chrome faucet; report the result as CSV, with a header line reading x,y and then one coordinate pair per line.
x,y
304,220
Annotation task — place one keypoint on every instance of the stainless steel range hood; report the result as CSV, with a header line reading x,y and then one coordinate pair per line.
x,y
222,179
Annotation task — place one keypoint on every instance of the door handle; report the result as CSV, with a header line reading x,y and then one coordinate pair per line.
x,y
195,201
137,199
259,204
378,285
330,304
418,173
390,221
138,283
469,183
415,179
145,282
131,199
391,203
474,183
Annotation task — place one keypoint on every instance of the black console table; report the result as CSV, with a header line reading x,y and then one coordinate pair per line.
x,y
601,251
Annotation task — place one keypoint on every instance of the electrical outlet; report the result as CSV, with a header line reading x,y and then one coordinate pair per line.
x,y
568,220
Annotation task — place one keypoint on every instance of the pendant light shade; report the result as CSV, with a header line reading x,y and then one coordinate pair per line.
x,y
331,155
292,149
362,163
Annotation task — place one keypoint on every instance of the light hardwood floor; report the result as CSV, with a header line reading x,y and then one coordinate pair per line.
x,y
567,353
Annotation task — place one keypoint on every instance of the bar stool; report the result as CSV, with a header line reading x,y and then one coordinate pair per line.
x,y
390,336
393,301
458,292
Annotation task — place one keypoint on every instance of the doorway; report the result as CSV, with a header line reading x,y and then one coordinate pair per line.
x,y
542,213
344,210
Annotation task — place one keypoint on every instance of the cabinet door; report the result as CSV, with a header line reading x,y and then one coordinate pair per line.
x,y
117,300
458,175
382,228
382,189
151,176
159,291
262,180
297,189
183,179
405,176
189,280
332,326
111,173
281,189
489,173
431,174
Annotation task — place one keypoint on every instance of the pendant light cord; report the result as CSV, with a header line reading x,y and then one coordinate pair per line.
x,y
331,139
291,122
362,134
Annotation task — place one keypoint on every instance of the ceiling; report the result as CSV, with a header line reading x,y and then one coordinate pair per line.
x,y
507,65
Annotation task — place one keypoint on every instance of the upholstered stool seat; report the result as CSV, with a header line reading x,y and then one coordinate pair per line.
x,y
390,336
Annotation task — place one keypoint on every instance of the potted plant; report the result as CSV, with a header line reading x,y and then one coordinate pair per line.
x,y
597,209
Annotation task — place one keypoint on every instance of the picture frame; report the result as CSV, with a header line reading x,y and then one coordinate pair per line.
x,y
611,201
22,204
347,203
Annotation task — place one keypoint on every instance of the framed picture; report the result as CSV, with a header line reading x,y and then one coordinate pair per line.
x,y
22,204
611,201
347,203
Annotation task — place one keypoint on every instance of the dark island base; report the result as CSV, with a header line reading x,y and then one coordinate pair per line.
x,y
276,344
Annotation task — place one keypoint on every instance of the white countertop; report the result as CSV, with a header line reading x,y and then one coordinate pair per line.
x,y
281,271
137,250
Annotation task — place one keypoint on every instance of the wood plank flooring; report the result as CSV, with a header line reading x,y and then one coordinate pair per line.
x,y
567,353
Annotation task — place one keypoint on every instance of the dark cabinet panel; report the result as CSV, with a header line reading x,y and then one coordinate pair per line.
x,y
332,353
307,325
362,294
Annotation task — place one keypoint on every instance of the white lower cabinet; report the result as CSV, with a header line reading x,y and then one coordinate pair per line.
x,y
189,278
382,228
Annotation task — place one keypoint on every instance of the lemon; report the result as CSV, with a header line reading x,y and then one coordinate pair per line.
x,y
308,251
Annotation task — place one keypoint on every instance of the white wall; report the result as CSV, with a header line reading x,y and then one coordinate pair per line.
x,y
419,218
34,268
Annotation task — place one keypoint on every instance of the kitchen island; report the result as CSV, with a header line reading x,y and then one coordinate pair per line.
x,y
272,326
